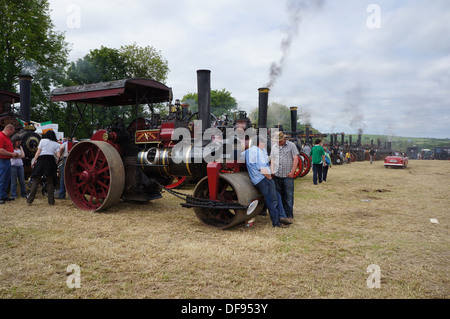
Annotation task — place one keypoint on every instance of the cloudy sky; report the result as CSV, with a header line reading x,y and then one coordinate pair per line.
x,y
382,66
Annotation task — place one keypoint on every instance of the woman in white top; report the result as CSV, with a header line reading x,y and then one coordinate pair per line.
x,y
44,164
17,172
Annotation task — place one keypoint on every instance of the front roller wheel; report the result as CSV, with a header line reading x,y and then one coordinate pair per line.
x,y
233,188
94,175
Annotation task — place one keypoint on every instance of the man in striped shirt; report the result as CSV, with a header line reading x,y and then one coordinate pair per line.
x,y
284,162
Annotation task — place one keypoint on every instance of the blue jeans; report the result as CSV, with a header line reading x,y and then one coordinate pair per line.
x,y
62,188
279,205
285,186
317,173
17,173
5,177
268,190
324,173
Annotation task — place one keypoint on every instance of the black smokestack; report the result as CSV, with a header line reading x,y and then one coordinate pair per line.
x,y
204,98
25,97
360,137
307,126
331,140
263,107
342,138
294,121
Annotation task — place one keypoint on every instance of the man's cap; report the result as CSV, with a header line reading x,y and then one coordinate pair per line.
x,y
280,136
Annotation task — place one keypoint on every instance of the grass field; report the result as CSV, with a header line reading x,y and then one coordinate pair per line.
x,y
363,215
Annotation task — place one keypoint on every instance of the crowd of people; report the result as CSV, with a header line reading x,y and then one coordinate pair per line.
x,y
44,165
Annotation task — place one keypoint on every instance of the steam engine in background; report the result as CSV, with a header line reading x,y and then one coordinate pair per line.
x,y
357,150
30,139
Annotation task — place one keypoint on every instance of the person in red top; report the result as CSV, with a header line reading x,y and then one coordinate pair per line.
x,y
6,153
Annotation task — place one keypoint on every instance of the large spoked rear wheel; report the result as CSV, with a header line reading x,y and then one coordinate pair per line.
x,y
94,175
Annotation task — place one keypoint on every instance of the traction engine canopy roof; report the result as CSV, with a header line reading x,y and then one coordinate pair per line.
x,y
9,97
115,93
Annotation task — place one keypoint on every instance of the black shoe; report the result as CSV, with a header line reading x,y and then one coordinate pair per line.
x,y
8,199
2,201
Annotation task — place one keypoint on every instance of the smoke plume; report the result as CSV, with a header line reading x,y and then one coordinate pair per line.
x,y
352,109
296,9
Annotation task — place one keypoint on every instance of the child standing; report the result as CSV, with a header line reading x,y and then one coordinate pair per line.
x,y
17,172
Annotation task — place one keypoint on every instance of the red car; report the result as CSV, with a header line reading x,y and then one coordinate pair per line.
x,y
396,161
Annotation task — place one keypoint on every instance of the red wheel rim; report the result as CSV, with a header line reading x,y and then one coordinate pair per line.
x,y
306,164
300,167
94,175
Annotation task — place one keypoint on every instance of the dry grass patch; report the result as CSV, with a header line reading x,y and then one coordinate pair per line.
x,y
364,214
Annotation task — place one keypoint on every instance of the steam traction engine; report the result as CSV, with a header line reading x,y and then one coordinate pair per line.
x,y
30,139
136,162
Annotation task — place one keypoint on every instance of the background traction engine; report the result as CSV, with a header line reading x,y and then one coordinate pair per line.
x,y
23,127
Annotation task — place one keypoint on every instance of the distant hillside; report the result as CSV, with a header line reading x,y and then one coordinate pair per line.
x,y
400,143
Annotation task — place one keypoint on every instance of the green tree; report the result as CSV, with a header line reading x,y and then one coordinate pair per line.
x,y
99,65
222,102
109,64
277,114
28,44
144,62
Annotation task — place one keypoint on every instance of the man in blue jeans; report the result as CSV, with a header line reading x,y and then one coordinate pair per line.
x,y
257,162
318,161
284,162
